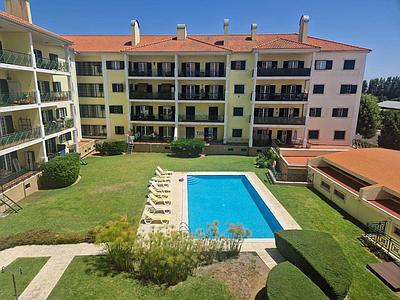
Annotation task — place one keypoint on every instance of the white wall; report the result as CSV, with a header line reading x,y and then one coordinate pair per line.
x,y
332,98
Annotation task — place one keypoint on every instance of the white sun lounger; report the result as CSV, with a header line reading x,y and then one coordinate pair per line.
x,y
161,199
161,179
159,174
158,208
157,193
161,184
164,172
150,218
160,189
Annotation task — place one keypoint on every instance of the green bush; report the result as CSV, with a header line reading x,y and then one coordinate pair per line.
x,y
45,237
61,171
187,147
285,282
266,159
111,147
318,256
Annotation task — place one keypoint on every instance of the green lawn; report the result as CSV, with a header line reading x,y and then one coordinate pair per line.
x,y
24,269
84,280
112,186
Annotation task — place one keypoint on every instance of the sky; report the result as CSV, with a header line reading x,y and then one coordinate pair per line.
x,y
372,24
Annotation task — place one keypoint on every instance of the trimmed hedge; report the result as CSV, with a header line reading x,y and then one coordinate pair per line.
x,y
61,171
285,282
45,237
111,147
187,147
318,256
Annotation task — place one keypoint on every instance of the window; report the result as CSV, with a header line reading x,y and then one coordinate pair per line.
x,y
340,112
88,68
238,65
315,112
325,185
237,133
119,130
116,109
115,65
349,64
92,111
53,57
238,111
239,89
93,90
318,88
313,134
293,64
396,230
339,135
348,89
94,130
61,113
323,64
339,194
118,87
56,86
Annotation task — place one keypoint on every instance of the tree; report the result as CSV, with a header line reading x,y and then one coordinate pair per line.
x,y
390,133
383,88
369,117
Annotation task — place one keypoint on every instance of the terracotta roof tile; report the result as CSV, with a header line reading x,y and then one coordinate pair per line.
x,y
282,43
19,21
377,165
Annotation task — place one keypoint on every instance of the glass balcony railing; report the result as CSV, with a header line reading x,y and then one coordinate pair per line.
x,y
201,118
44,63
141,117
10,99
284,72
15,58
280,120
55,96
187,73
149,95
203,96
19,137
57,126
281,97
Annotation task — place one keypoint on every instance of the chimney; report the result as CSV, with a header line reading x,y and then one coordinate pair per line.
x,y
181,32
135,27
226,31
303,28
20,9
253,32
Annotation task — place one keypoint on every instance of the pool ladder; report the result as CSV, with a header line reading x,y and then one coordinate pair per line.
x,y
183,226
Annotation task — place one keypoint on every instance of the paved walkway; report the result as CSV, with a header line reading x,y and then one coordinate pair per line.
x,y
47,278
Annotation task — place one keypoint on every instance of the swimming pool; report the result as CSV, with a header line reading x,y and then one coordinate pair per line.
x,y
229,199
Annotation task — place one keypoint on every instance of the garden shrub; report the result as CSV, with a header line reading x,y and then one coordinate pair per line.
x,y
61,171
111,147
285,281
318,256
187,147
45,237
266,159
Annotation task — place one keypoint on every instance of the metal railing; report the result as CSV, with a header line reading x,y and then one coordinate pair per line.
x,y
148,95
360,144
201,96
55,96
281,97
91,94
44,63
201,74
284,72
280,120
146,73
8,99
201,118
57,126
15,58
96,115
19,137
376,233
152,118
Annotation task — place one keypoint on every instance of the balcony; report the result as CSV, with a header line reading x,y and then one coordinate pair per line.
x,y
15,58
19,137
201,118
284,72
202,74
202,96
57,126
150,73
151,96
281,97
10,99
55,96
280,120
165,118
44,63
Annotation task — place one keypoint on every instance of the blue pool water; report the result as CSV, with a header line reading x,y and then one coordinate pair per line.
x,y
229,199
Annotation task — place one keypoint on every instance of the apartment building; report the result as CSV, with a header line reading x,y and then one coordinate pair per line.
x,y
37,103
244,89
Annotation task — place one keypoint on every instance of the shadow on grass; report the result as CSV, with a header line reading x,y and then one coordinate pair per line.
x,y
262,294
101,266
172,155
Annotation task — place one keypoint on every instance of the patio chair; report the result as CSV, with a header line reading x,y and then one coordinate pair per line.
x,y
151,218
159,199
161,179
158,194
161,184
160,189
164,172
159,174
158,208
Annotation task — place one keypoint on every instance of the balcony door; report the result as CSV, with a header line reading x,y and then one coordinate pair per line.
x,y
211,133
44,86
190,113
289,112
166,132
191,69
6,125
190,132
191,91
213,113
47,116
30,160
285,136
264,112
166,112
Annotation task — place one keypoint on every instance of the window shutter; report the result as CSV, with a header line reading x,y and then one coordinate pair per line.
x,y
256,112
221,92
122,65
343,89
274,64
197,89
258,89
159,69
149,88
184,91
197,69
207,69
207,90
243,65
354,89
160,88
283,89
296,112
160,112
137,109
149,72
270,112
206,132
259,64
173,68
151,129
233,65
285,64
161,131
150,110
301,64
329,64
136,66
184,68
298,89
272,89
222,69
